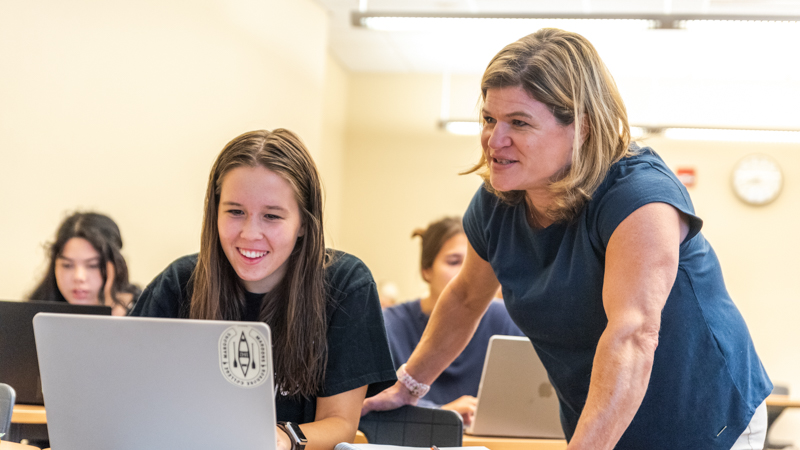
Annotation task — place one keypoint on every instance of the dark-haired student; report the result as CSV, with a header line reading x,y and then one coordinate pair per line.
x,y
86,266
263,258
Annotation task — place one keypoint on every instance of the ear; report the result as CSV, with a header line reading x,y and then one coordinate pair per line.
x,y
426,275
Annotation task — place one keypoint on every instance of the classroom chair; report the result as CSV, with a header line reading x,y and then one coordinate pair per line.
x,y
413,426
7,396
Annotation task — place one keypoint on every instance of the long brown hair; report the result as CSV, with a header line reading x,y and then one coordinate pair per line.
x,y
564,71
103,234
295,309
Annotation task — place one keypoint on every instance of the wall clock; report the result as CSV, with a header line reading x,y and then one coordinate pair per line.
x,y
757,179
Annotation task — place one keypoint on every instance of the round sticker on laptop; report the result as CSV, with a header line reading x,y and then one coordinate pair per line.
x,y
243,356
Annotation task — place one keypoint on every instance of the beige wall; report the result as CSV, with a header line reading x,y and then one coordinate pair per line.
x,y
401,173
122,106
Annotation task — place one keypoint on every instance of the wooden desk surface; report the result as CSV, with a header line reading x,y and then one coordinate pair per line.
x,y
500,443
783,400
33,414
14,446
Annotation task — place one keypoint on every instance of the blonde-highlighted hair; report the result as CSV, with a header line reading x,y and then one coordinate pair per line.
x,y
564,71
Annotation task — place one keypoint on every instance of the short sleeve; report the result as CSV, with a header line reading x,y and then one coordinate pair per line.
x,y
474,222
167,294
632,184
358,351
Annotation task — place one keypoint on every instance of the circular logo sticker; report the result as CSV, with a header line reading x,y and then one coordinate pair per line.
x,y
243,356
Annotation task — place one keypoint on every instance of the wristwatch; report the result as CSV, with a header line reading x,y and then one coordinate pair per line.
x,y
295,435
416,388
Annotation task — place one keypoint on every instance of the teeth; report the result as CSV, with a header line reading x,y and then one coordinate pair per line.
x,y
503,161
250,254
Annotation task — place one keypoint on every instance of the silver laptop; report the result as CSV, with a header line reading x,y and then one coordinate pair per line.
x,y
515,397
130,383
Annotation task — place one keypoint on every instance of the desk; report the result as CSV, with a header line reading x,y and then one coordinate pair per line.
x,y
501,443
30,414
783,400
14,446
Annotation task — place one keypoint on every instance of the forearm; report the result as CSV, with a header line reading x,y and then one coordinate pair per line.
x,y
324,434
620,375
449,330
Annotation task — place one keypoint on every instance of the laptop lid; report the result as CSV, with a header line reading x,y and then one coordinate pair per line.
x,y
130,383
19,367
515,397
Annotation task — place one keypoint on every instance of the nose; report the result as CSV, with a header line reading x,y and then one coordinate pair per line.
x,y
498,136
80,272
252,228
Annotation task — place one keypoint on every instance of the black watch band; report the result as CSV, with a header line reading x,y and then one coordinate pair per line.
x,y
295,435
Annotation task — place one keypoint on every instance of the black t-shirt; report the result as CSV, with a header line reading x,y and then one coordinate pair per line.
x,y
358,352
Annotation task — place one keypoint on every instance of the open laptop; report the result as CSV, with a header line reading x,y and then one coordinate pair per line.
x,y
130,383
19,367
515,397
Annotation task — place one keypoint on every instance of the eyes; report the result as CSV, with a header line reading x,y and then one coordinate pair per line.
x,y
240,213
71,265
514,122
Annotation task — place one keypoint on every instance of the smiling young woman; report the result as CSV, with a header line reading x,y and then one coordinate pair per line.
x,y
263,258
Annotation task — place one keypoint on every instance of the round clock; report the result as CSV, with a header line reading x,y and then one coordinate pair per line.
x,y
757,179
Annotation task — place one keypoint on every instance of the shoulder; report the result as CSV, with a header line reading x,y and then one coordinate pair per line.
x,y
645,172
486,218
632,183
167,294
346,273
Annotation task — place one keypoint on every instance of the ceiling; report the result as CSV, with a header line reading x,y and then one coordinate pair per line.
x,y
468,51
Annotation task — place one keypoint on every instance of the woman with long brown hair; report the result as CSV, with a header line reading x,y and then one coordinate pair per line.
x,y
263,258
86,266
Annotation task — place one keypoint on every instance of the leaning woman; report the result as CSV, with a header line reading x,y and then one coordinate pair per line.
x,y
603,266
263,258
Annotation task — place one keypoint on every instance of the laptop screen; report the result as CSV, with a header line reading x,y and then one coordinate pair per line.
x,y
134,383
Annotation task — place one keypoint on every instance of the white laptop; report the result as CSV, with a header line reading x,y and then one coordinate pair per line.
x,y
515,397
130,383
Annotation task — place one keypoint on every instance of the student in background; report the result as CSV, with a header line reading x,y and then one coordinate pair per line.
x,y
263,258
86,265
444,246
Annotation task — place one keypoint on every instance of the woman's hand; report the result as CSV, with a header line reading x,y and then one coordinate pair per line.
x,y
117,309
392,398
284,443
464,405
110,273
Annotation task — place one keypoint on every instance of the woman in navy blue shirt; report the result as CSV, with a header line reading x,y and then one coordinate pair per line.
x,y
599,252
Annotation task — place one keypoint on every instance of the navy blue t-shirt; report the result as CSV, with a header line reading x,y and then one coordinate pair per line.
x,y
358,353
707,379
404,326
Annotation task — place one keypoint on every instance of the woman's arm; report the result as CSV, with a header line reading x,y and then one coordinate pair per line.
x,y
452,324
641,266
336,421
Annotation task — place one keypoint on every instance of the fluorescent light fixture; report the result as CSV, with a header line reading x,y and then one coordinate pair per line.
x,y
733,135
411,21
472,127
461,127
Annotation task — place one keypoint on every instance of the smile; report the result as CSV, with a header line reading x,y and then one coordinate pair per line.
x,y
503,161
251,254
